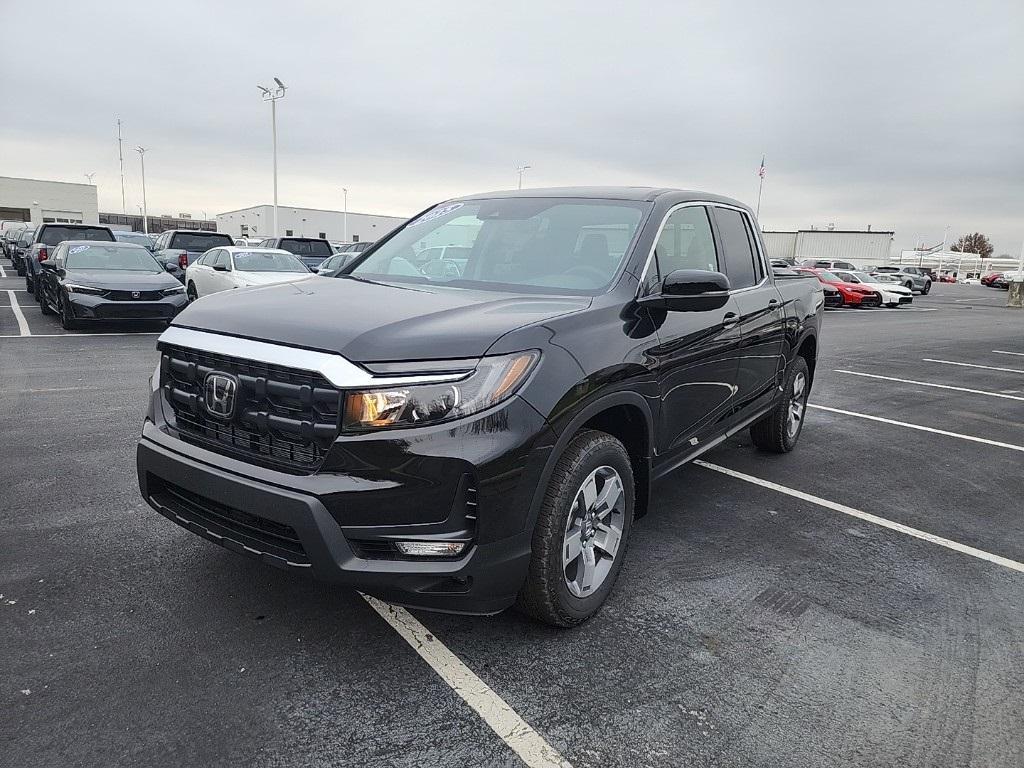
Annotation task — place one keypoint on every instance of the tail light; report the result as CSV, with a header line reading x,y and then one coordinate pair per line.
x,y
183,259
43,254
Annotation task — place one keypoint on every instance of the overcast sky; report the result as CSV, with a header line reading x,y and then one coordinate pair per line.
x,y
905,116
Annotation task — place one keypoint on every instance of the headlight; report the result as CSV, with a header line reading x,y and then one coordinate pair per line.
x,y
172,291
494,379
84,289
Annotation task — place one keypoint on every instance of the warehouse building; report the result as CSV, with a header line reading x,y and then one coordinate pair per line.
x,y
258,221
131,222
861,247
48,201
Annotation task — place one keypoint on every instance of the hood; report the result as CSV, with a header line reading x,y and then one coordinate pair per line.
x,y
130,281
270,278
367,321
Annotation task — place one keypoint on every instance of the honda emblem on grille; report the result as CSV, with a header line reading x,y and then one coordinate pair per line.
x,y
219,392
135,294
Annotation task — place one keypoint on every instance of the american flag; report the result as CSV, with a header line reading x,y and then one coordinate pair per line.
x,y
760,171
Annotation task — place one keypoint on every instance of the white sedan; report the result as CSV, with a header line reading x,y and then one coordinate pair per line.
x,y
221,269
893,292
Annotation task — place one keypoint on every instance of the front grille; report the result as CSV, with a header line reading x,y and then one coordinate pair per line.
x,y
229,525
833,299
875,300
284,419
130,312
128,295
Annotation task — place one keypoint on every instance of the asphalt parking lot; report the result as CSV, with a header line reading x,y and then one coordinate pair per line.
x,y
859,601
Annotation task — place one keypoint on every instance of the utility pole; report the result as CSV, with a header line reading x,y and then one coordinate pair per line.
x,y
145,211
120,159
760,186
272,95
522,169
344,231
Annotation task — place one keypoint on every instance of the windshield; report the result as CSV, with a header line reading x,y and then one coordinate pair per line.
x,y
56,235
267,261
134,237
199,241
549,245
824,274
130,258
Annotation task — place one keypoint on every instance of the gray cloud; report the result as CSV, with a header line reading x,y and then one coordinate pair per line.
x,y
901,115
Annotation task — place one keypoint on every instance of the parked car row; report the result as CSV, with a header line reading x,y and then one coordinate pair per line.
x,y
857,288
917,279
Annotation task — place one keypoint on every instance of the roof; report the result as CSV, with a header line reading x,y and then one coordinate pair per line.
x,y
250,249
113,243
639,194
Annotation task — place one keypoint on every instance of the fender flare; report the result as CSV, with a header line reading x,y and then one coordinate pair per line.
x,y
572,425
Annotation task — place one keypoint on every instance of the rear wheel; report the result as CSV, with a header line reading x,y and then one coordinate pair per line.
x,y
582,530
779,431
190,291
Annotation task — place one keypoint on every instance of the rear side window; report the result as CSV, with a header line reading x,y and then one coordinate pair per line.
x,y
307,247
199,241
54,235
685,242
739,255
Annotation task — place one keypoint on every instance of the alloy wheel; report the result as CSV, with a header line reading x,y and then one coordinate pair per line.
x,y
797,404
593,531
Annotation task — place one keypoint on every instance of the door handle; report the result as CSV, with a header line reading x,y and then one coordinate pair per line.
x,y
730,320
773,303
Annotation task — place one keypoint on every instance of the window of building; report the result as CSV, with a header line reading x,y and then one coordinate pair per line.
x,y
355,238
288,233
323,235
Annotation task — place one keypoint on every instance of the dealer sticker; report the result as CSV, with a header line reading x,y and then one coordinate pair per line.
x,y
79,249
437,213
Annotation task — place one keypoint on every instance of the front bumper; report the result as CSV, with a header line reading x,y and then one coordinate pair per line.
x,y
86,307
471,480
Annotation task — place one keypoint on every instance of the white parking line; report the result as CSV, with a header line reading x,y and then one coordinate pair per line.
x,y
1004,352
972,365
97,335
19,316
495,711
929,384
2,273
920,427
956,546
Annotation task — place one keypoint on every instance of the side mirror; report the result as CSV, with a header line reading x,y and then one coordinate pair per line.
x,y
170,267
692,290
220,268
49,265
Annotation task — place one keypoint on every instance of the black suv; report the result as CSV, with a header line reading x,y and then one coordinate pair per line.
x,y
468,441
312,251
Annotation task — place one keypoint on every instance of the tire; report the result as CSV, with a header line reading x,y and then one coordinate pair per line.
x,y
191,292
776,432
20,268
598,461
28,285
909,285
43,305
927,288
67,317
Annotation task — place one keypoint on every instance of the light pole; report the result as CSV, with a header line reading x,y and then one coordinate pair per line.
x,y
344,226
120,160
522,169
145,211
89,176
272,95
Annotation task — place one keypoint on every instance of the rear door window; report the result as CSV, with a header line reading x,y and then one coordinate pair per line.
x,y
739,254
52,235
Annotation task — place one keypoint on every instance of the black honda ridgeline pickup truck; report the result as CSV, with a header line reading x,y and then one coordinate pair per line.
x,y
468,433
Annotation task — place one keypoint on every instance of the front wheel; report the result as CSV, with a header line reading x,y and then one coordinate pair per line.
x,y
19,267
67,315
780,429
28,285
44,305
927,288
582,530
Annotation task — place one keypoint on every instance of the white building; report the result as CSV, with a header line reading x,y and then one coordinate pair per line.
x,y
48,201
860,247
258,221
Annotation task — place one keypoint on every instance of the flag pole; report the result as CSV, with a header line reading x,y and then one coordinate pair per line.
x,y
760,186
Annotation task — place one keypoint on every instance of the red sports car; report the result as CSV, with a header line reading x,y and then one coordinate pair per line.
x,y
854,294
990,279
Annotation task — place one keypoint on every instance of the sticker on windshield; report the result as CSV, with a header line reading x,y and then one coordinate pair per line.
x,y
79,249
437,213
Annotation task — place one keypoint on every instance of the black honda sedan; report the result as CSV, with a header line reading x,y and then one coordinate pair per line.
x,y
90,280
